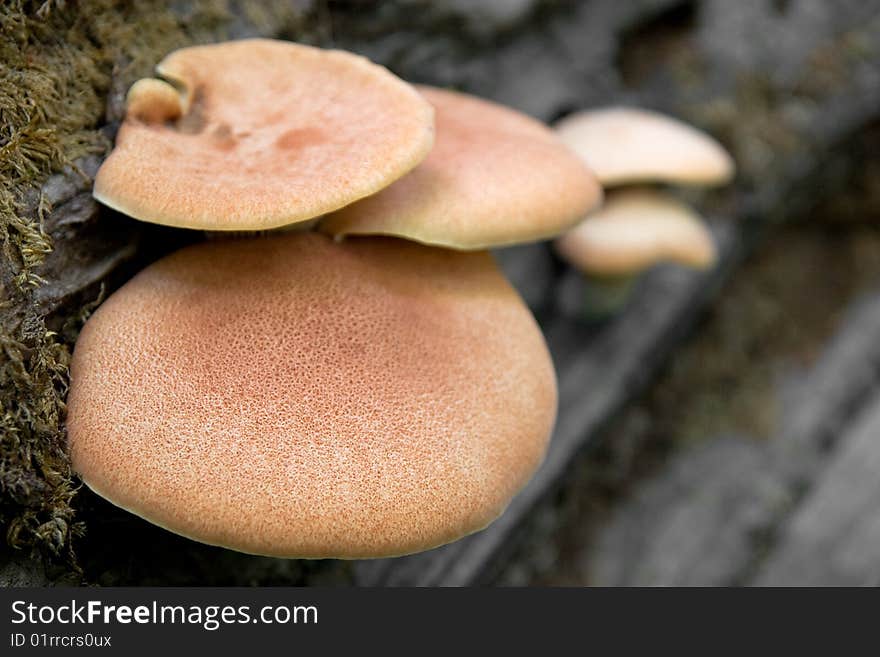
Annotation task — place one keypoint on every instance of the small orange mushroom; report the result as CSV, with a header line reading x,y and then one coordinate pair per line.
x,y
627,145
635,229
638,227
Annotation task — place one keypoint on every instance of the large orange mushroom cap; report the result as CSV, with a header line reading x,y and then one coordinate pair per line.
x,y
495,177
257,134
297,397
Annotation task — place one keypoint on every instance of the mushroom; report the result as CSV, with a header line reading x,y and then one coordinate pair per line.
x,y
495,177
632,231
638,227
256,134
298,397
627,145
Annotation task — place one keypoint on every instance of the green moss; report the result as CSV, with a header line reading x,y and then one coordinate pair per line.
x,y
59,64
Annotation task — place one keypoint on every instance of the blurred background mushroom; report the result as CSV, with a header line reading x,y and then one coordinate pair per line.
x,y
626,146
636,228
718,430
632,231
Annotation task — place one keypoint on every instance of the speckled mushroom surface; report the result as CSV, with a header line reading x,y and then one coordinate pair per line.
x,y
495,177
625,145
634,229
257,134
296,397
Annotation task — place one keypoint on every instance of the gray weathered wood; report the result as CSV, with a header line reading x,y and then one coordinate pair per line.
x,y
712,515
834,537
696,523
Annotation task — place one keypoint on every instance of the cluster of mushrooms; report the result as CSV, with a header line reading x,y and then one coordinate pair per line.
x,y
631,152
349,375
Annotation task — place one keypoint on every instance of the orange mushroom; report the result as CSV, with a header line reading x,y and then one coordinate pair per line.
x,y
625,145
495,177
257,134
635,229
297,397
